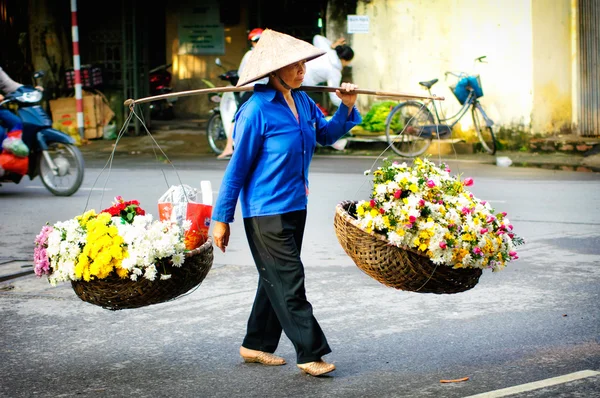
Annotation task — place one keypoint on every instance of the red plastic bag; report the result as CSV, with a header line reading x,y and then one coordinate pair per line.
x,y
11,162
198,214
179,204
15,164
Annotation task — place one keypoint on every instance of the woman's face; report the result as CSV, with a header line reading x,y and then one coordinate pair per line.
x,y
293,75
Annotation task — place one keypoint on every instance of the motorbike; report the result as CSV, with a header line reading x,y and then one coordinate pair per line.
x,y
160,83
53,155
220,123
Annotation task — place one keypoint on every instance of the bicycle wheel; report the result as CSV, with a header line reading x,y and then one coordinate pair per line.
x,y
485,133
404,128
215,133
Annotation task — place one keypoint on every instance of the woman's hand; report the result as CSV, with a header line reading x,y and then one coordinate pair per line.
x,y
339,42
221,235
347,95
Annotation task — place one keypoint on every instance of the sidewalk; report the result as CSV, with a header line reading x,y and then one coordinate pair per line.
x,y
186,139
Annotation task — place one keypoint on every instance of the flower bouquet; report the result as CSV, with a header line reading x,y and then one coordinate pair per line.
x,y
423,231
121,257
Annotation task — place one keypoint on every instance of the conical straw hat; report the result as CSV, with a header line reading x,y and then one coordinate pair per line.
x,y
274,51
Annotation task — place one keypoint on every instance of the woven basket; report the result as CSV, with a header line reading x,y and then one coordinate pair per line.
x,y
400,268
114,293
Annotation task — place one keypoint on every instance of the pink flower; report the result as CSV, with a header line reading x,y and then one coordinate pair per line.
x,y
381,210
477,250
443,245
448,170
468,182
503,214
483,202
40,257
372,203
483,231
490,219
421,203
412,219
397,194
513,254
465,210
430,183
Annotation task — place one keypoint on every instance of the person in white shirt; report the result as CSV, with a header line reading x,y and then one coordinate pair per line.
x,y
328,68
253,37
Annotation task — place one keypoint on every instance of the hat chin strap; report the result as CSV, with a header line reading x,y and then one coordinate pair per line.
x,y
284,84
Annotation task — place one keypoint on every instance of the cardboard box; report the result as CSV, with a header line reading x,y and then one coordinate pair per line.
x,y
96,114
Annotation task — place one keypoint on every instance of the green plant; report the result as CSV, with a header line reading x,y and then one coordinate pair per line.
x,y
375,118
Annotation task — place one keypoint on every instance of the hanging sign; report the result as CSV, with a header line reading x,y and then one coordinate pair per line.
x,y
358,24
200,32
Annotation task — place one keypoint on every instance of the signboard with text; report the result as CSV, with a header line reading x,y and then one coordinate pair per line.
x,y
358,24
200,32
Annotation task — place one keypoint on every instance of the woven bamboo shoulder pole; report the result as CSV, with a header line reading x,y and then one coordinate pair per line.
x,y
212,90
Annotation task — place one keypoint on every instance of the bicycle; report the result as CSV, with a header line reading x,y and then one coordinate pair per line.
x,y
411,125
220,122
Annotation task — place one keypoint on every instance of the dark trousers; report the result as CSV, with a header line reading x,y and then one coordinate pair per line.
x,y
280,302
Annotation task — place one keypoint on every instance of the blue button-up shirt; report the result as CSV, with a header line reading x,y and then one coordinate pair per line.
x,y
273,150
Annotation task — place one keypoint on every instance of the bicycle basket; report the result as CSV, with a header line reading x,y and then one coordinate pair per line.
x,y
461,89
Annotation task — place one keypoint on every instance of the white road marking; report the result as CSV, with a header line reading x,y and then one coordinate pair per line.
x,y
80,189
537,384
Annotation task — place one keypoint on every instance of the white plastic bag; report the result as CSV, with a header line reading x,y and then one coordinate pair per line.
x,y
179,196
180,203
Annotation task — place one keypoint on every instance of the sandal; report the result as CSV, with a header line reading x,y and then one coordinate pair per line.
x,y
317,368
265,358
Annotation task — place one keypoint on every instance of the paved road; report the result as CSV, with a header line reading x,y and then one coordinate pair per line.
x,y
536,320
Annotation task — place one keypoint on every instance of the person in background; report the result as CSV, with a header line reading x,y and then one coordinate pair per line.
x,y
12,130
9,119
275,135
253,38
328,70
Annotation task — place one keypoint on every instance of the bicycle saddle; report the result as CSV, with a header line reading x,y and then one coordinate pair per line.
x,y
429,84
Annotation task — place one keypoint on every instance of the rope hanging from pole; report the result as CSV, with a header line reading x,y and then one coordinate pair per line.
x,y
384,94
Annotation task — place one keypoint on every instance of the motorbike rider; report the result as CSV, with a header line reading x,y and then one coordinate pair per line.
x,y
12,146
253,38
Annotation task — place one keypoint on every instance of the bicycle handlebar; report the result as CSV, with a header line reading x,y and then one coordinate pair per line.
x,y
463,74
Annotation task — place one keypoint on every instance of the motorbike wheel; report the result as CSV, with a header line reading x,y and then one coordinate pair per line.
x,y
70,166
215,133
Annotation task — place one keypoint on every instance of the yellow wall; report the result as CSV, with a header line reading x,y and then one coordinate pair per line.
x,y
527,43
189,70
551,66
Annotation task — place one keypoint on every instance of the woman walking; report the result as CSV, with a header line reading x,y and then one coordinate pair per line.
x,y
276,132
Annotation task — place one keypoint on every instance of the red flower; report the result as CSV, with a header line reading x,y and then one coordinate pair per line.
x,y
126,210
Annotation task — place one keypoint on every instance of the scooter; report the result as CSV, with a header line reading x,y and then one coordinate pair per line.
x,y
160,83
220,123
53,154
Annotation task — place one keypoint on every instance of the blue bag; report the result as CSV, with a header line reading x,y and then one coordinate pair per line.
x,y
462,93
